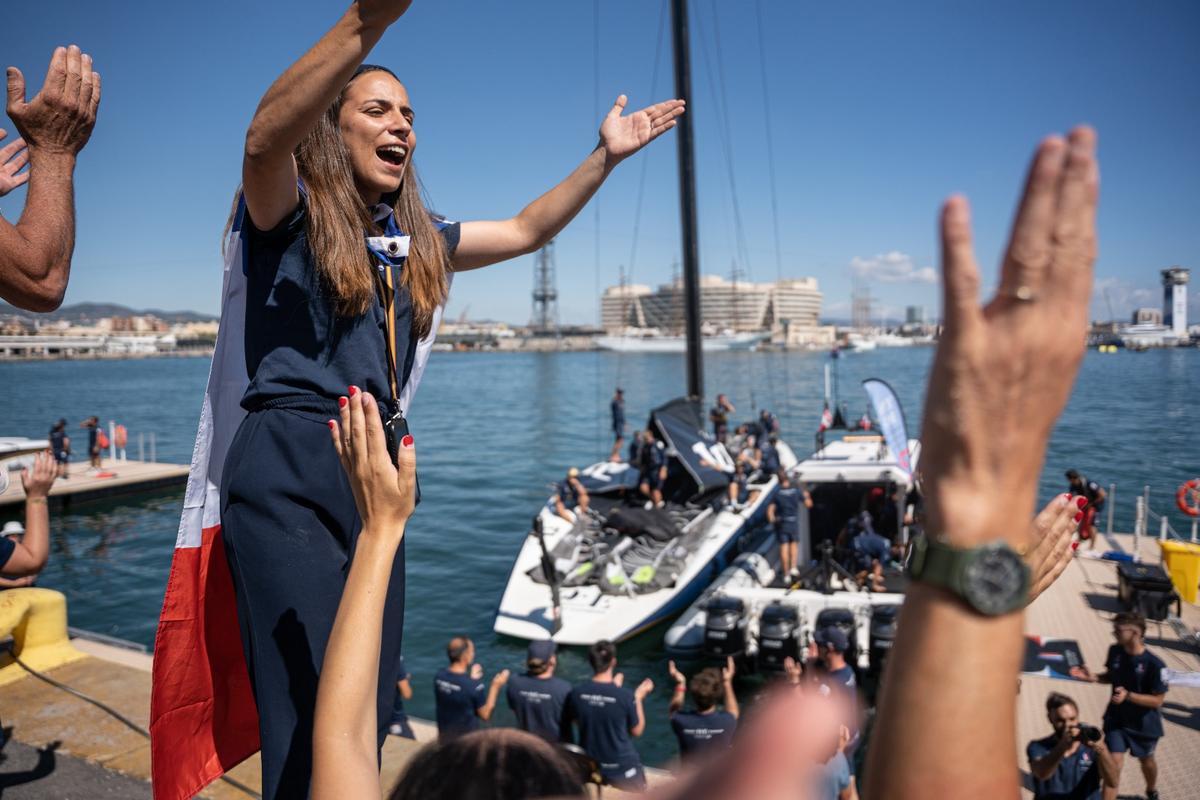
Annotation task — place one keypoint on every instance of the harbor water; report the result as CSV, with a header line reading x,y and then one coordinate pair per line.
x,y
493,430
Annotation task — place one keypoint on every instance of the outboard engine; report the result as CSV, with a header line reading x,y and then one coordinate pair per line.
x,y
883,635
841,618
724,627
778,636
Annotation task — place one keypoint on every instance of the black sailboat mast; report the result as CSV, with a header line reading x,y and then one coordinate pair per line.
x,y
687,201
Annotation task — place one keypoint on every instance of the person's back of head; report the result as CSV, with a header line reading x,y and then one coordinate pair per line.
x,y
458,648
706,688
602,655
495,764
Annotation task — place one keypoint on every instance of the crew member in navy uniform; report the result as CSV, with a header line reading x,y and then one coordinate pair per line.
x,y
1068,763
347,275
617,406
1132,721
652,469
1083,486
398,725
458,691
609,717
570,499
784,514
60,445
770,454
719,416
705,728
537,697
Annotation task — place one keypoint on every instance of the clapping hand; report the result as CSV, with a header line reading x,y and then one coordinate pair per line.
x,y
1003,371
384,493
675,674
38,479
1050,551
13,156
61,116
728,671
644,688
500,678
476,672
622,136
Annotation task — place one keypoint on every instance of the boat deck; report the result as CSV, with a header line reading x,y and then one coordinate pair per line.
x,y
119,477
1080,606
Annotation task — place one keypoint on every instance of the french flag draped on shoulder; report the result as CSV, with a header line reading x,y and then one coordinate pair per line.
x,y
203,720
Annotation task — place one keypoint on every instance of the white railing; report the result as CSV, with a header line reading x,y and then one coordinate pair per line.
x,y
118,453
1145,516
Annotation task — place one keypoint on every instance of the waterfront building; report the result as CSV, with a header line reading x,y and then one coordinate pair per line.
x,y
1174,314
914,315
793,303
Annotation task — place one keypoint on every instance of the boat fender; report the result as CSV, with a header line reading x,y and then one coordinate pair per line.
x,y
1188,497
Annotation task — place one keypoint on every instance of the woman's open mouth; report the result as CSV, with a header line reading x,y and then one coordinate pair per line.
x,y
393,154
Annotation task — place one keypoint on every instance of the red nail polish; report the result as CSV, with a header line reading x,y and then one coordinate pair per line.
x,y
342,402
332,425
1081,501
1079,516
407,441
353,391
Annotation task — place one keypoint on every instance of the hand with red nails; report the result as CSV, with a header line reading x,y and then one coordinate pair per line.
x,y
384,494
1050,544
345,724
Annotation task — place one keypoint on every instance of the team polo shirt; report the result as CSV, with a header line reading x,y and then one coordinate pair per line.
x,y
538,704
1142,674
7,547
1076,778
300,352
604,714
770,458
868,546
698,732
457,696
787,509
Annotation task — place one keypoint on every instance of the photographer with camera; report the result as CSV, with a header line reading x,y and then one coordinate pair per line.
x,y
1071,761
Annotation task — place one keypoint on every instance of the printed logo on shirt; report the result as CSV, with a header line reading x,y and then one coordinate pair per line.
x,y
597,699
534,696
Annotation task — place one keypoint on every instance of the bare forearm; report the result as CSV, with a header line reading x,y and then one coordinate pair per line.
x,y
37,532
35,254
1146,700
344,730
489,705
640,728
944,653
1108,767
546,216
731,701
294,103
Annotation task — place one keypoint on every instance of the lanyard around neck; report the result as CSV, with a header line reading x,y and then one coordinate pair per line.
x,y
387,295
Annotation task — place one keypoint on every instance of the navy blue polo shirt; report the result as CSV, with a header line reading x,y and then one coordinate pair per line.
x,y
398,713
605,713
770,458
58,441
698,732
1142,674
7,546
618,412
538,704
457,697
787,509
297,345
567,493
1076,778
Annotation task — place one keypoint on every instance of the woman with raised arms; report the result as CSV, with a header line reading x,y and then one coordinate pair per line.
x,y
347,275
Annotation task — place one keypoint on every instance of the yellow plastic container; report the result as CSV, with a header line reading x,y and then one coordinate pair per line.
x,y
1182,562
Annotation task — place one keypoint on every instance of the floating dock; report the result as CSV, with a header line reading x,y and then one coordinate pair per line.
x,y
1080,606
90,746
116,478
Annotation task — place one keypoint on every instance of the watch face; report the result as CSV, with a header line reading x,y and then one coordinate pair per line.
x,y
995,580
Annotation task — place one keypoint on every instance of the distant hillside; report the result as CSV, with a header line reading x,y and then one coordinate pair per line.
x,y
90,312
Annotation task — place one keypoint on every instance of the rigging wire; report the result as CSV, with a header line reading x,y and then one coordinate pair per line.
x,y
637,212
762,68
597,359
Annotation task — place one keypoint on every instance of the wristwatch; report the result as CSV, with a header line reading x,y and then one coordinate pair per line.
x,y
992,579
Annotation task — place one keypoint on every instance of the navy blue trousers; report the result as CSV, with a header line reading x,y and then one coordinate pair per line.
x,y
289,526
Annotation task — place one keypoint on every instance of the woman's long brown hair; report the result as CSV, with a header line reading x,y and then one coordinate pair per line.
x,y
337,219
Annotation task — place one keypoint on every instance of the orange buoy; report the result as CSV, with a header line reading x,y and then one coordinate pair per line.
x,y
1188,498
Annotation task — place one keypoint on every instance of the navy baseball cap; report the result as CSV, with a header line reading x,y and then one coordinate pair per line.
x,y
541,650
834,637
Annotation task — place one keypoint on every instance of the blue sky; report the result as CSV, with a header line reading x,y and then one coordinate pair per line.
x,y
878,111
